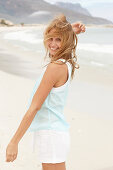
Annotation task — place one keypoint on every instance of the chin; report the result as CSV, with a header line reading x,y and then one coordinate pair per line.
x,y
52,53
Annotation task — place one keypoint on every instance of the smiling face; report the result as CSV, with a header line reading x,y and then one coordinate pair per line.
x,y
53,43
59,39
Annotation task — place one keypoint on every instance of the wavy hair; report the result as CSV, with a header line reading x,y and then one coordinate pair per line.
x,y
67,51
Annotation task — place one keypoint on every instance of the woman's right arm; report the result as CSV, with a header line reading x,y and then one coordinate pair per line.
x,y
50,77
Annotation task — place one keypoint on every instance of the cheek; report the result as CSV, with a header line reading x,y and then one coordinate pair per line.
x,y
47,44
59,44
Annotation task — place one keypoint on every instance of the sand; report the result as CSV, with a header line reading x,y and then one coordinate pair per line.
x,y
89,112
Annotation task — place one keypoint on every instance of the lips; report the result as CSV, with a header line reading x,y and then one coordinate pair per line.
x,y
53,49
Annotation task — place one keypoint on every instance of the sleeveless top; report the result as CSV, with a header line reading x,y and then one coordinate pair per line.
x,y
51,116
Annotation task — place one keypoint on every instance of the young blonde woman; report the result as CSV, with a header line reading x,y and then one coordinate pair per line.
x,y
45,117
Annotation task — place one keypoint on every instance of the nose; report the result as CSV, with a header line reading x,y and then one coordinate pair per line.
x,y
53,43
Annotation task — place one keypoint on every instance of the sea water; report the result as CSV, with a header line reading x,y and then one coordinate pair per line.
x,y
94,48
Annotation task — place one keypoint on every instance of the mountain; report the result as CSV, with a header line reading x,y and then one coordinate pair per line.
x,y
75,7
39,11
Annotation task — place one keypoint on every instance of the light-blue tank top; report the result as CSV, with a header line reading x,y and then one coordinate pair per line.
x,y
51,115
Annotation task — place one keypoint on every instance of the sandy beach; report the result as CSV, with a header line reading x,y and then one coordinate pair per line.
x,y
89,111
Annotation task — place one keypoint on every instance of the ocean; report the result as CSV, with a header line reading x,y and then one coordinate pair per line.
x,y
94,49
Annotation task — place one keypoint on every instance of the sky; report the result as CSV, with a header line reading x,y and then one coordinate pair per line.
x,y
97,8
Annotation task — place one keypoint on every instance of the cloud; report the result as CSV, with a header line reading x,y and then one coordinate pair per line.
x,y
37,13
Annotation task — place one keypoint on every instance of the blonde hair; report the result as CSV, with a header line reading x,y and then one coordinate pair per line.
x,y
64,30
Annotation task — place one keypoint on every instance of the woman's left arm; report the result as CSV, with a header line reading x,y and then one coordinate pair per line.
x,y
78,27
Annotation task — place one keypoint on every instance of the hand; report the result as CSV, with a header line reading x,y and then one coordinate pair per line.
x,y
11,152
78,27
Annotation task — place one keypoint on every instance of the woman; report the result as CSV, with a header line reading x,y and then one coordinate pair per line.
x,y
45,113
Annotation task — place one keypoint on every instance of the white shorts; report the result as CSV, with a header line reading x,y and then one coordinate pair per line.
x,y
51,146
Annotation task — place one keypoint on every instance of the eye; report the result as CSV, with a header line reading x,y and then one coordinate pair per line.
x,y
58,39
50,39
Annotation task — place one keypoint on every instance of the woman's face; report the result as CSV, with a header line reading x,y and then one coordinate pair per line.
x,y
53,44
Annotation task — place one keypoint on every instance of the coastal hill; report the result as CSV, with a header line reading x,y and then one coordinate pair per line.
x,y
39,11
74,7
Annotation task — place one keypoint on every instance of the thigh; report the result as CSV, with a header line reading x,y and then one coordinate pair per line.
x,y
54,166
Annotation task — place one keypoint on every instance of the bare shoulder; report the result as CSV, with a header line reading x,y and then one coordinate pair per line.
x,y
60,72
56,69
56,65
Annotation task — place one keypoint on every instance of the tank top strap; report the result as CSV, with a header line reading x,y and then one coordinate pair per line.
x,y
69,66
69,69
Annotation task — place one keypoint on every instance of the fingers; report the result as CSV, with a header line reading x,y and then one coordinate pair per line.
x,y
76,24
11,158
79,26
82,26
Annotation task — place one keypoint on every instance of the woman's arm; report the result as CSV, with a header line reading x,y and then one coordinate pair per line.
x,y
78,27
49,79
